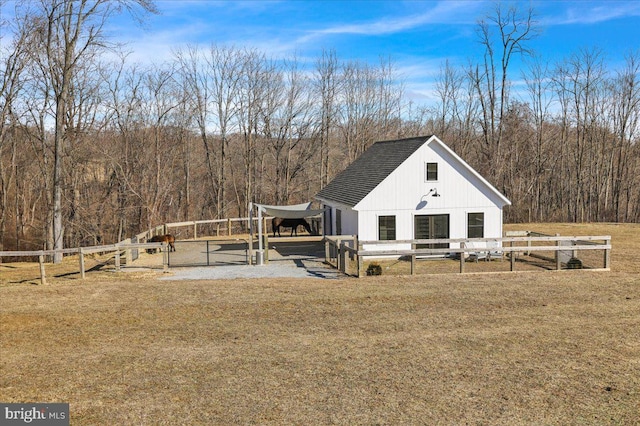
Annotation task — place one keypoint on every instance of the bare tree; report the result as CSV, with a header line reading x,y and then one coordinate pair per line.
x,y
370,104
457,111
447,87
162,97
288,126
12,65
255,71
83,121
124,153
491,77
625,112
580,81
539,86
67,31
225,65
327,87
360,109
390,93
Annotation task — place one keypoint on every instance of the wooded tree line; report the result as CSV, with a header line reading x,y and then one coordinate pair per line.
x,y
95,149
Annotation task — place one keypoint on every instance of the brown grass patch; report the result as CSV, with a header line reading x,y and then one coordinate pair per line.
x,y
536,348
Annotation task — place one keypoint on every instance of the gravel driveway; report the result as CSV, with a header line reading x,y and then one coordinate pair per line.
x,y
274,269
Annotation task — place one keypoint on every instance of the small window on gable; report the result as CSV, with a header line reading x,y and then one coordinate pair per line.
x,y
386,228
431,171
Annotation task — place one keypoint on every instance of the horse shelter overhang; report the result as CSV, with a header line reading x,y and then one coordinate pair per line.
x,y
296,211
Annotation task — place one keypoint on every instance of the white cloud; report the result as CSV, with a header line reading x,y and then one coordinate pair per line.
x,y
593,13
444,12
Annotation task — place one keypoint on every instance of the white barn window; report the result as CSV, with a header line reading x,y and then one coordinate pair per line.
x,y
431,172
386,228
475,225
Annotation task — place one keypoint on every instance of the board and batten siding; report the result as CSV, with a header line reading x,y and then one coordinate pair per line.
x,y
348,219
349,222
406,193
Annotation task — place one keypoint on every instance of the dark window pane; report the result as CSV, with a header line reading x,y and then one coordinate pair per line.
x,y
386,228
428,227
475,225
432,171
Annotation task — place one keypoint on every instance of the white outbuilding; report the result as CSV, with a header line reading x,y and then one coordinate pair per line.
x,y
415,188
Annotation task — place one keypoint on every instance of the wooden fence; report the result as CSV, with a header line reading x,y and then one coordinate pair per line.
x,y
214,228
129,247
345,250
339,249
202,228
119,250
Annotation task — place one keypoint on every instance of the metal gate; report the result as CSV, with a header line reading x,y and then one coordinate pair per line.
x,y
209,253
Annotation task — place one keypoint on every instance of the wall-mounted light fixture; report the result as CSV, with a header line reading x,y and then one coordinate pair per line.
x,y
423,203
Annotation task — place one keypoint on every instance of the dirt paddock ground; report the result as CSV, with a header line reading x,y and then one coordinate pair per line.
x,y
506,348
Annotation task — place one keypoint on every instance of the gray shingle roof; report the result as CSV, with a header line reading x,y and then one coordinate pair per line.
x,y
356,181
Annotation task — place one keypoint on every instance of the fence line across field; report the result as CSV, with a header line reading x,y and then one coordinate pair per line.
x,y
130,246
223,227
337,249
117,249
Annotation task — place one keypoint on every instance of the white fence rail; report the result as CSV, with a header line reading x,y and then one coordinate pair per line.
x,y
339,248
130,246
117,249
564,247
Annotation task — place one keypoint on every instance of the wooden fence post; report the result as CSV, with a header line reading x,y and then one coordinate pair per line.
x,y
512,259
344,262
229,227
558,258
462,258
81,258
607,255
165,257
326,251
359,248
117,258
265,246
413,260
128,258
43,278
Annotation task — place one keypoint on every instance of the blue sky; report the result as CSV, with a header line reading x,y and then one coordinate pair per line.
x,y
417,35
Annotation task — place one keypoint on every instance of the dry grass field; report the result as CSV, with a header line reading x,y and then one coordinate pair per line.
x,y
540,348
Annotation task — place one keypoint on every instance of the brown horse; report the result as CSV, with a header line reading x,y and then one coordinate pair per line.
x,y
278,222
169,239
